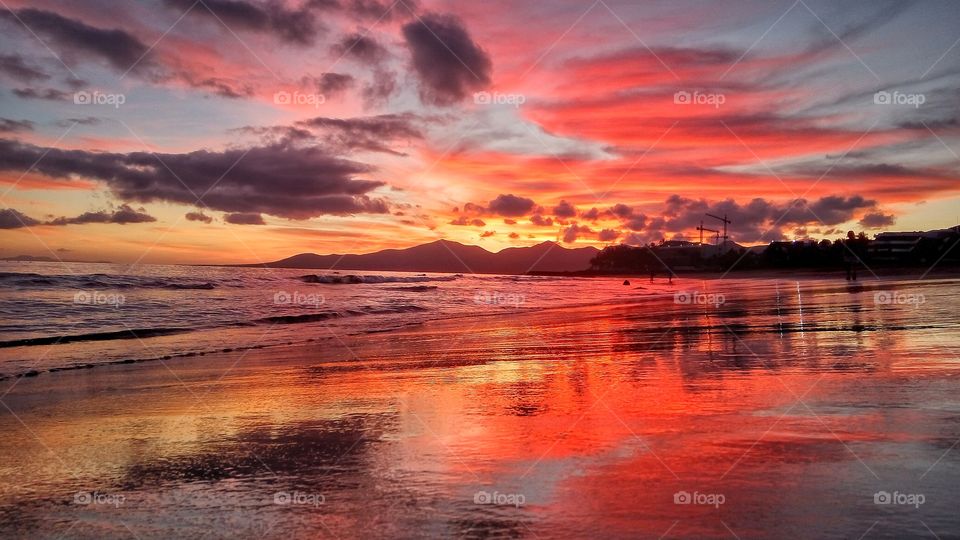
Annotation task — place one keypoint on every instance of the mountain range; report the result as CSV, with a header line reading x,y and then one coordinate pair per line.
x,y
450,257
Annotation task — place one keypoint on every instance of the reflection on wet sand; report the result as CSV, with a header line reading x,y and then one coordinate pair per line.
x,y
745,419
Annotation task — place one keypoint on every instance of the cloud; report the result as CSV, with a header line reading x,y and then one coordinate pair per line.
x,y
70,37
245,218
11,126
511,205
123,215
487,234
15,67
446,60
877,220
565,210
48,94
360,47
571,233
198,216
12,219
608,235
464,221
541,221
370,133
297,26
280,179
85,121
332,84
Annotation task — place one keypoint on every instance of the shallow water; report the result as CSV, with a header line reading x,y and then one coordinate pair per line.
x,y
786,410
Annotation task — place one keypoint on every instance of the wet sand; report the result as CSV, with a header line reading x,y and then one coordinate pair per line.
x,y
782,413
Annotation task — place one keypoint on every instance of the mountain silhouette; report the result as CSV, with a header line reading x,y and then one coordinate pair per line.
x,y
450,257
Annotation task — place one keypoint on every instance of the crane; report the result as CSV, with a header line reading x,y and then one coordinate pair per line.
x,y
701,228
725,223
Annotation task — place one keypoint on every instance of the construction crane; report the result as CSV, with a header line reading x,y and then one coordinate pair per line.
x,y
725,223
701,228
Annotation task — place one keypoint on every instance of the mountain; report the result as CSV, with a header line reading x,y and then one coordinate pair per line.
x,y
450,257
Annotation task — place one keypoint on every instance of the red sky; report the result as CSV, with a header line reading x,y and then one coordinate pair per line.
x,y
239,131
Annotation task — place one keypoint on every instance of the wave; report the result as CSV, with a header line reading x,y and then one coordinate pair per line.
x,y
353,279
325,315
95,336
101,281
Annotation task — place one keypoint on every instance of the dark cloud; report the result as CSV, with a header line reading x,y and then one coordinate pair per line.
x,y
511,206
759,219
245,218
198,216
280,179
11,126
71,37
123,215
877,220
377,91
360,47
541,221
487,234
591,215
382,11
514,236
608,235
49,94
447,61
571,233
12,219
465,220
332,84
370,133
85,121
565,210
298,26
16,68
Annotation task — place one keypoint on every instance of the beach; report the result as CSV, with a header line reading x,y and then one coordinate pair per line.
x,y
786,409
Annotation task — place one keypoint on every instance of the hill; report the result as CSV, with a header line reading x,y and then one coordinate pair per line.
x,y
450,257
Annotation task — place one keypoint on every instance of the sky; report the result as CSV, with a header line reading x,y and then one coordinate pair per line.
x,y
219,131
